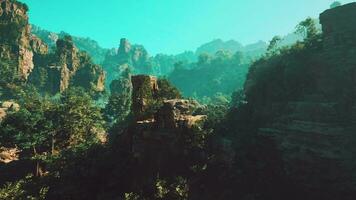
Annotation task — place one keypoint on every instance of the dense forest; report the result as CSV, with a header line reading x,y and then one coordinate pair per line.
x,y
228,121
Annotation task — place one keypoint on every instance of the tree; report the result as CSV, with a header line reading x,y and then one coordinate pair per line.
x,y
118,107
204,59
79,119
307,29
30,130
335,4
167,90
273,44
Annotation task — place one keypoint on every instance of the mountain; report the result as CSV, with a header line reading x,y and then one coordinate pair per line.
x,y
254,50
25,59
218,44
84,44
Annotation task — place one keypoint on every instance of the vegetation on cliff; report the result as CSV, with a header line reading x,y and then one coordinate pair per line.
x,y
279,125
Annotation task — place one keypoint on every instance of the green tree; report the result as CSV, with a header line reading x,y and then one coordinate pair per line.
x,y
29,129
79,119
118,107
307,29
335,4
273,44
167,90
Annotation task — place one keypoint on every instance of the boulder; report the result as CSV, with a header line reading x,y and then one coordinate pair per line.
x,y
177,113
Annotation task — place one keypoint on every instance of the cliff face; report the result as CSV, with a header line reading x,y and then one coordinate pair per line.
x,y
83,44
154,139
134,56
24,56
307,101
15,37
56,72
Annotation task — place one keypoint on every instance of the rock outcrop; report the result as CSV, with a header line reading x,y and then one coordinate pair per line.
x,y
56,72
25,56
15,37
338,26
172,120
144,89
134,56
308,107
178,114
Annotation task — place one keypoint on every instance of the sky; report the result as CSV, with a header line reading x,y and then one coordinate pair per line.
x,y
173,26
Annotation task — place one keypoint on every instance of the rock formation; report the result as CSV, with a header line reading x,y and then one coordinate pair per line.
x,y
178,114
25,56
308,105
154,134
134,56
56,72
15,34
144,89
339,26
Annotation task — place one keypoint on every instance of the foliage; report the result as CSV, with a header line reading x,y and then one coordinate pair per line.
x,y
307,29
77,106
273,44
8,71
335,4
20,190
222,73
119,104
167,90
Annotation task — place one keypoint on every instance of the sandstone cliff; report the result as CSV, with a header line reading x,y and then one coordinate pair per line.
x,y
24,56
15,37
134,56
158,135
305,99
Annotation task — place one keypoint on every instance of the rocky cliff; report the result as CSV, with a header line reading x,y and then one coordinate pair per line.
x,y
25,57
305,99
15,38
66,67
158,135
134,56
83,44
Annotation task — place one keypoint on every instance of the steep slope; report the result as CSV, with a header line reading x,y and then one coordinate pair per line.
x,y
304,100
24,58
83,44
17,44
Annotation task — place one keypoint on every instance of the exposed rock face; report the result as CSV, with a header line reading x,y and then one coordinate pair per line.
x,y
339,25
125,47
27,57
38,46
15,35
152,137
313,126
66,67
177,113
144,89
134,56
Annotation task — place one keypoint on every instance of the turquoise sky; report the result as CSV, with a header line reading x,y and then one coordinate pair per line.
x,y
172,26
